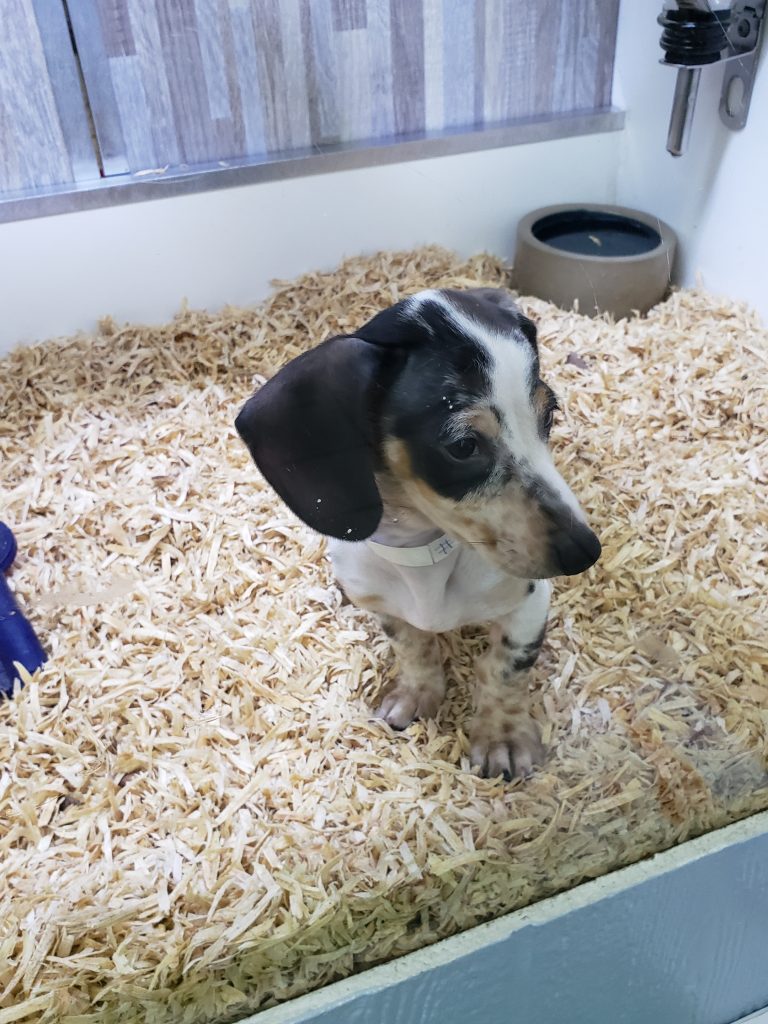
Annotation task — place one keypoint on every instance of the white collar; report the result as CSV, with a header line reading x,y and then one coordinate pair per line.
x,y
426,554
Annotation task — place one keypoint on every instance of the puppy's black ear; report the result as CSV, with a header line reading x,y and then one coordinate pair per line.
x,y
528,327
309,432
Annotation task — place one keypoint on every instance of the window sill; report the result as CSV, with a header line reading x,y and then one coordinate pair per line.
x,y
166,182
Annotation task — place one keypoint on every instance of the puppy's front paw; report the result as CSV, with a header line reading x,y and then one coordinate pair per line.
x,y
404,704
508,749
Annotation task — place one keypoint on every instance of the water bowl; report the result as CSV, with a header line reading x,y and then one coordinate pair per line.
x,y
597,258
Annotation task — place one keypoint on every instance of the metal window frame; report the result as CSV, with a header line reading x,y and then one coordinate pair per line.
x,y
164,182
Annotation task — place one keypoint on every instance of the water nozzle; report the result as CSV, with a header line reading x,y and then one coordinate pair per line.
x,y
696,35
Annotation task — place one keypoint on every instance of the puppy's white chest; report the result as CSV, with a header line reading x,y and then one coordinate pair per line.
x,y
460,590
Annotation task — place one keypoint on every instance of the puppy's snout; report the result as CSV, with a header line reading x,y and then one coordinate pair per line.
x,y
575,549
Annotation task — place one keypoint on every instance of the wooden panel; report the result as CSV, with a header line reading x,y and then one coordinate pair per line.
x,y
248,90
588,33
348,14
322,82
459,61
219,79
133,107
434,94
43,127
180,41
269,64
354,85
556,48
380,69
606,27
496,70
408,65
64,77
214,55
294,76
116,28
93,50
479,64
165,146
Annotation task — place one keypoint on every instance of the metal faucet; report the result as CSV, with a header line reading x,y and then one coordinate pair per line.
x,y
698,33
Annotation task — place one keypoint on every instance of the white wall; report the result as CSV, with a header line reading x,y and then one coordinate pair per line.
x,y
730,248
714,195
60,274
137,262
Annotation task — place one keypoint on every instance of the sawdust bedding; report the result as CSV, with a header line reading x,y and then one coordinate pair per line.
x,y
198,816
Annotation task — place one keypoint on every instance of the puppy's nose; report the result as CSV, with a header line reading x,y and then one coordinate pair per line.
x,y
575,549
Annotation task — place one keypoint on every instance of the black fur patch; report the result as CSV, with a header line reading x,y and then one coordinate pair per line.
x,y
446,371
308,431
525,661
522,656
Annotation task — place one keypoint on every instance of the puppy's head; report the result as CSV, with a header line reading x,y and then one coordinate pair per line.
x,y
442,392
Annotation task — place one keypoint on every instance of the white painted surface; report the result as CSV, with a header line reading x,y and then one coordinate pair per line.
x,y
714,195
137,262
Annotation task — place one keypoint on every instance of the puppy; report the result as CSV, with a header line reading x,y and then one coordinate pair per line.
x,y
419,445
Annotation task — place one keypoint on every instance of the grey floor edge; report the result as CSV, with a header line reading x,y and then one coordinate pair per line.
x,y
761,1017
680,938
164,182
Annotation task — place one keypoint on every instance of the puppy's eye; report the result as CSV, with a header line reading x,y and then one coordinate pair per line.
x,y
548,416
463,449
546,401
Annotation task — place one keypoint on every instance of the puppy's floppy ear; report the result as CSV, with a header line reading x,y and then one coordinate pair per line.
x,y
528,327
309,432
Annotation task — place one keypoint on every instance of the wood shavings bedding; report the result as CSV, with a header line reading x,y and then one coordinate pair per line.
x,y
198,816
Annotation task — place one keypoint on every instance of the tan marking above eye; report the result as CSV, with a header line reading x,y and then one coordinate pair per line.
x,y
481,418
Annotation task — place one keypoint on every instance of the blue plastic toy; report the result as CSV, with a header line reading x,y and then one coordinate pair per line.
x,y
17,638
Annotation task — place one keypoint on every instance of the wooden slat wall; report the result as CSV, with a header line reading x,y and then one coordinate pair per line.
x,y
194,81
44,133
